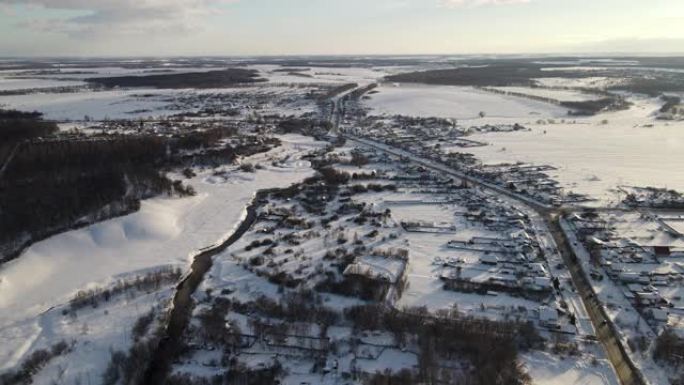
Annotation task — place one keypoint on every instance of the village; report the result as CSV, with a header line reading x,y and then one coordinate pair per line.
x,y
447,142
374,230
327,224
634,260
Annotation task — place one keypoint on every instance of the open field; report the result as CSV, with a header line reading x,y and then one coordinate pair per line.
x,y
455,103
594,157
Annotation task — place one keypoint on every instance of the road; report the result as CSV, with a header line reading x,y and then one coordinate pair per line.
x,y
606,332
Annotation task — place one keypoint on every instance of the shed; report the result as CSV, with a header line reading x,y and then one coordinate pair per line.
x,y
548,316
662,251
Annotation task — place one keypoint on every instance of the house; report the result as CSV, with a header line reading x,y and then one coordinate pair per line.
x,y
633,277
538,269
489,259
507,281
542,284
548,317
635,287
647,298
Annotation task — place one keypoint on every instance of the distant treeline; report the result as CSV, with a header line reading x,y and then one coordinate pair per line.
x,y
578,108
501,73
493,75
52,186
592,107
211,79
654,84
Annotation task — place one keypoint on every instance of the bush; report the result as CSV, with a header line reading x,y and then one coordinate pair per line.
x,y
247,167
142,325
33,364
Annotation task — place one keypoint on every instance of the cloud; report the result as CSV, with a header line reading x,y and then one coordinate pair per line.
x,y
477,3
663,45
121,16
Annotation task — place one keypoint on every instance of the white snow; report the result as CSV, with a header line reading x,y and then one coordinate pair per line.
x,y
13,84
319,75
98,105
455,102
548,369
594,157
164,231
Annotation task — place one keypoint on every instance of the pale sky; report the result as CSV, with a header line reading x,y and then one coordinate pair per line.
x,y
275,27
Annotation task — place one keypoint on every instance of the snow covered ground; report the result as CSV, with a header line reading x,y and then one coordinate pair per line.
x,y
164,232
549,369
306,74
595,155
98,105
12,84
92,333
152,103
456,103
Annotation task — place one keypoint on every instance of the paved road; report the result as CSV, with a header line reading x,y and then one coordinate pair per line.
x,y
606,332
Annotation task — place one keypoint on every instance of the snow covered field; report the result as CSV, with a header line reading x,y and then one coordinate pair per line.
x,y
456,103
98,105
305,74
592,157
147,102
164,232
12,84
547,369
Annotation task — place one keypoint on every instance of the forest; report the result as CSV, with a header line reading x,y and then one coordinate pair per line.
x,y
498,74
54,184
210,79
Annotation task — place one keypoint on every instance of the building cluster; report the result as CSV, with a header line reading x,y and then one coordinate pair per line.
x,y
443,141
647,264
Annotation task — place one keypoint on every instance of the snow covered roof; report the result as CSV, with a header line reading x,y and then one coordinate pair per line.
x,y
489,259
659,315
547,314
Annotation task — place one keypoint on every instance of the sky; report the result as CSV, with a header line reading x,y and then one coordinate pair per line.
x,y
338,27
